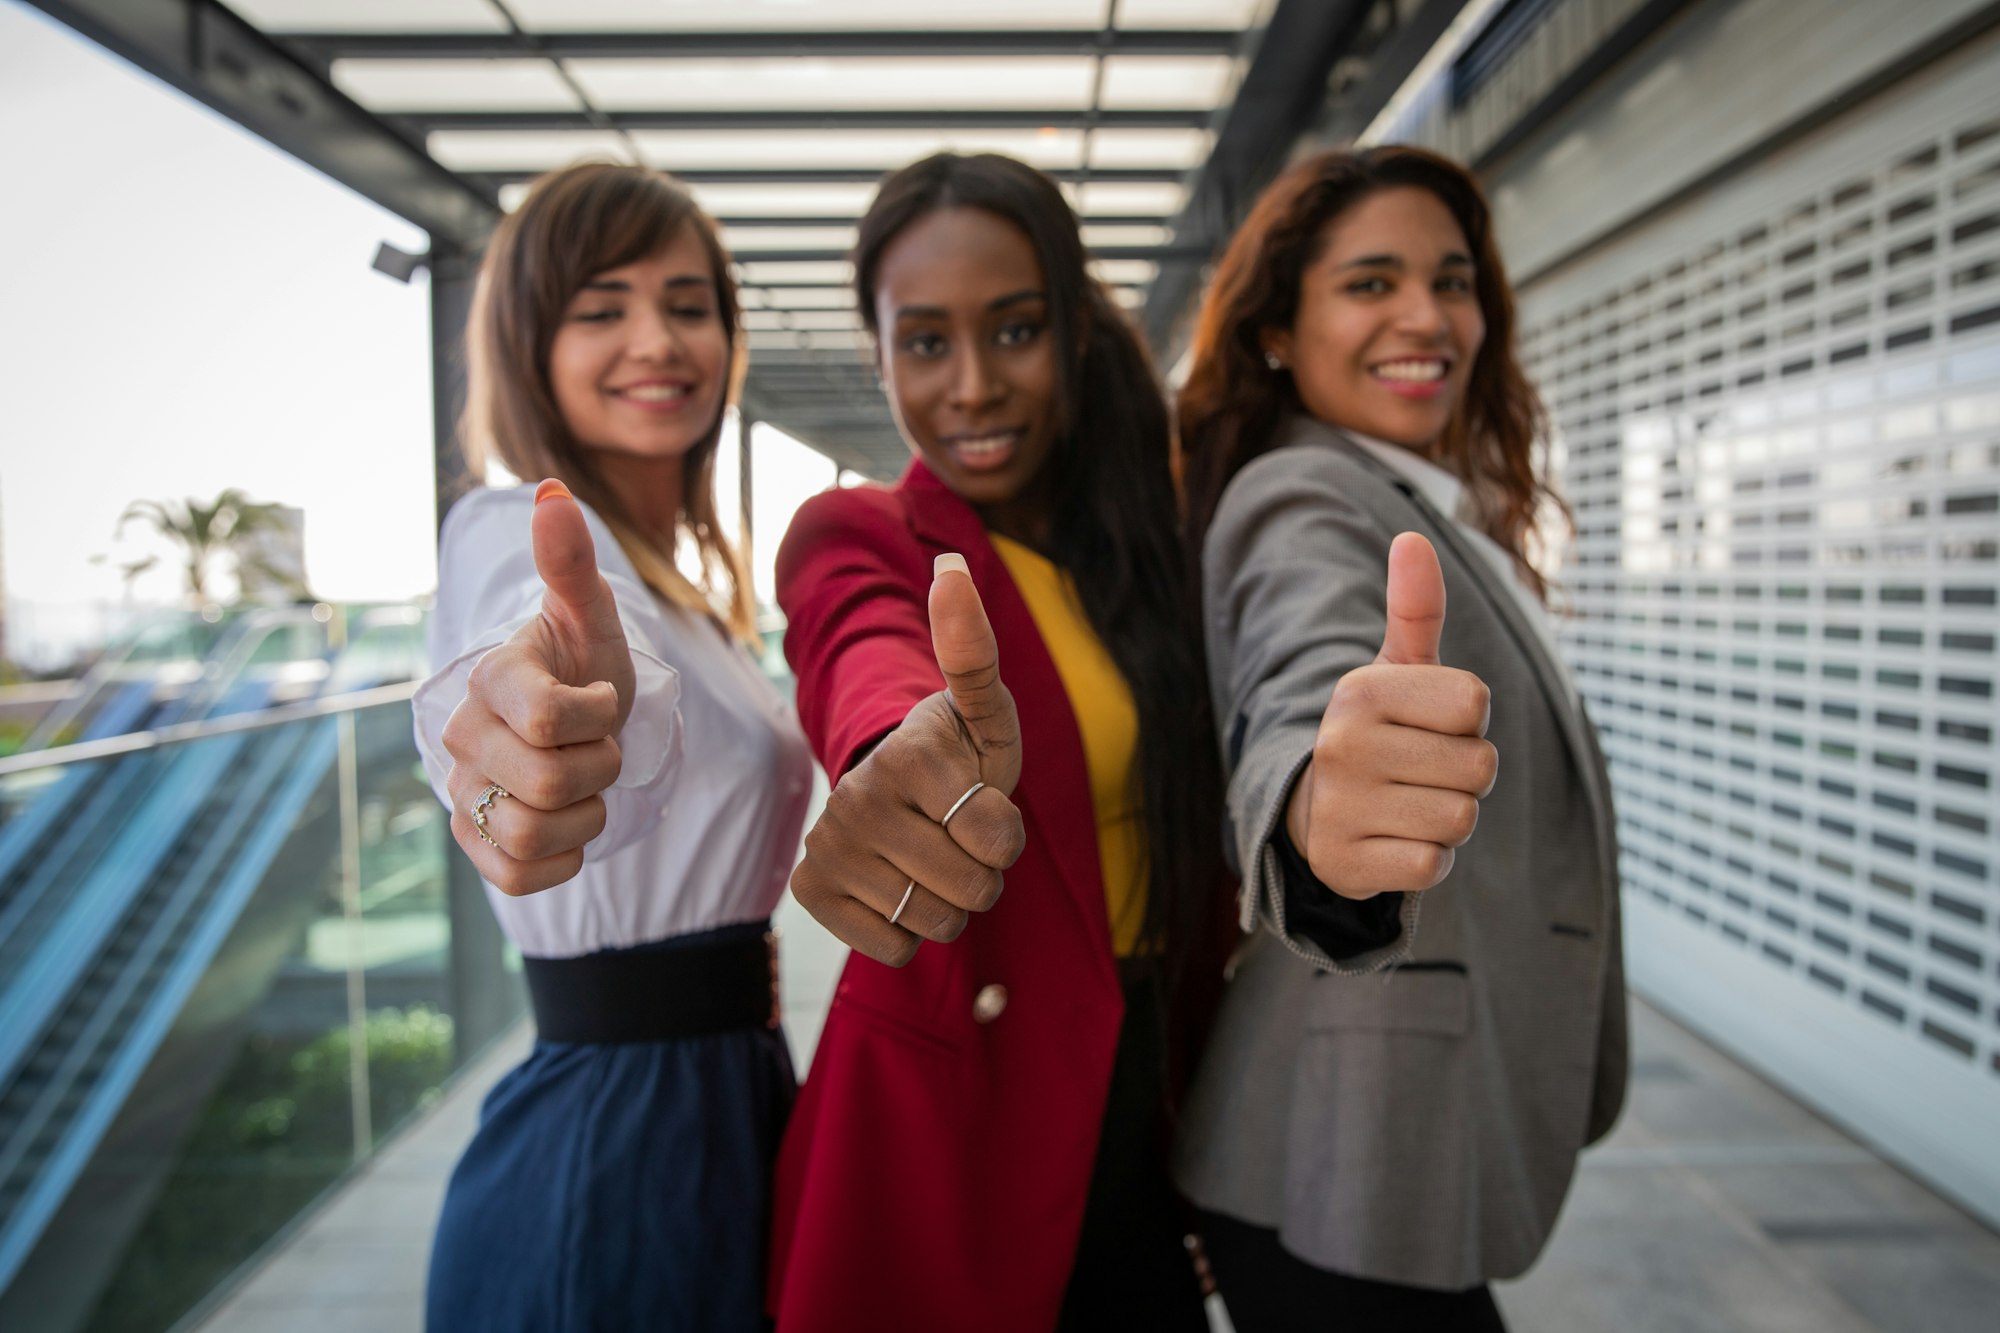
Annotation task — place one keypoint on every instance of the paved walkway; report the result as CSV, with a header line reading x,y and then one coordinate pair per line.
x,y
1719,1206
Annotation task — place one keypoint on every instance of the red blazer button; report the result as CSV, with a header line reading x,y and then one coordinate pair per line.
x,y
990,1003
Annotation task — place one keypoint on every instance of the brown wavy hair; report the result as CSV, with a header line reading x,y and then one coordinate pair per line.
x,y
575,224
1233,402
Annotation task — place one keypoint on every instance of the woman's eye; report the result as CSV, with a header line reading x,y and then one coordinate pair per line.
x,y
597,316
693,312
1368,286
1454,284
1017,335
923,344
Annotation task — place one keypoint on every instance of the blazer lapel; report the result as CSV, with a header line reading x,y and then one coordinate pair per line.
x,y
1054,792
1570,720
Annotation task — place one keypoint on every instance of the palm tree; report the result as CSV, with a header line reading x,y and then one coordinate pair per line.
x,y
229,523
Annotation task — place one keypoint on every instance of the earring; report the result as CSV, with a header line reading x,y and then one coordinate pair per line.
x,y
1271,360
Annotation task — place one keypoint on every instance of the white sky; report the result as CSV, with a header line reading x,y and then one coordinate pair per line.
x,y
186,308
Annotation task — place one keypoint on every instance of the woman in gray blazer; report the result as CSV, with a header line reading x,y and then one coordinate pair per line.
x,y
1427,1022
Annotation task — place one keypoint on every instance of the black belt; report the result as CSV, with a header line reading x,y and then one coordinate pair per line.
x,y
720,981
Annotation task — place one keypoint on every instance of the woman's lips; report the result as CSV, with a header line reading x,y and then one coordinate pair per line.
x,y
1413,377
986,452
661,397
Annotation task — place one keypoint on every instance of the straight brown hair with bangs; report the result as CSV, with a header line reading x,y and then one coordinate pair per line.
x,y
1233,401
575,224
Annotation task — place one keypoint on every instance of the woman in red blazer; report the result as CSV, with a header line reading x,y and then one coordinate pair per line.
x,y
979,1144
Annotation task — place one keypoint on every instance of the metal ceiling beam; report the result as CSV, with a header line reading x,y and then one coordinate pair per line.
x,y
737,45
849,219
1160,253
842,175
218,59
808,118
1278,99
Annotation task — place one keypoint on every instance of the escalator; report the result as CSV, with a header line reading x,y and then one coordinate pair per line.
x,y
114,907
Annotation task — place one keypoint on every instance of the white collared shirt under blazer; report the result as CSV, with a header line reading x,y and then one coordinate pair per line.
x,y
1412,1115
703,822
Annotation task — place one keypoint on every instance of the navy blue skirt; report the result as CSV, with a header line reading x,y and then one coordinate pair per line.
x,y
618,1185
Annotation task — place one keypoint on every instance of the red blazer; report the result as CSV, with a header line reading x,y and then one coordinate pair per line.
x,y
934,1171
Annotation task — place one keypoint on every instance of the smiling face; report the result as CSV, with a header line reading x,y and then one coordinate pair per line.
x,y
640,363
1388,321
969,360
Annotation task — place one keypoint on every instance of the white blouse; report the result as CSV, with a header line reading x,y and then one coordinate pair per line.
x,y
702,826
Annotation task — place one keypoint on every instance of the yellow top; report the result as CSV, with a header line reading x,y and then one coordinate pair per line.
x,y
1109,723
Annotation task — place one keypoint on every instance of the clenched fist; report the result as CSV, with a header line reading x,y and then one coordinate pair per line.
x,y
1401,760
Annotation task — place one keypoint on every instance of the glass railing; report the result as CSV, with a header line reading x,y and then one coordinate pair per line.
x,y
240,953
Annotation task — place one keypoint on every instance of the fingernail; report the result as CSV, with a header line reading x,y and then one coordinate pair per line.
x,y
552,487
949,560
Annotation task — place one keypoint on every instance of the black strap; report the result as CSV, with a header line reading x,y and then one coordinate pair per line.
x,y
658,992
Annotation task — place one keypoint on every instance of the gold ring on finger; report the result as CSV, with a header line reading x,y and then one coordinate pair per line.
x,y
494,791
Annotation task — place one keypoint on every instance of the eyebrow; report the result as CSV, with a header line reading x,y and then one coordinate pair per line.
x,y
620,285
999,303
1454,259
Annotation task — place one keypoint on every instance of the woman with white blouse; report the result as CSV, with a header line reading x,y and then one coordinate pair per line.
x,y
620,1175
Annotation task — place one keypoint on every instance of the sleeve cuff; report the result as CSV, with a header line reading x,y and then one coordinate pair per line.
x,y
1343,928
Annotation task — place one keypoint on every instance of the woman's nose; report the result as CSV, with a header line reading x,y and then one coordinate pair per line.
x,y
651,336
1424,314
973,383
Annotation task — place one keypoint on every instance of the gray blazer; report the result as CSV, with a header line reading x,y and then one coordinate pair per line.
x,y
1411,1116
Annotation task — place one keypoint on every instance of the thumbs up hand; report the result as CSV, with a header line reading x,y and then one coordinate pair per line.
x,y
1401,760
915,836
539,716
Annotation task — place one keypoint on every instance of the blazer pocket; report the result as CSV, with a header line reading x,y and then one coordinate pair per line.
x,y
889,1024
1433,999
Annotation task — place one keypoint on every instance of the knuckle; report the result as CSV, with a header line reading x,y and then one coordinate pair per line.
x,y
453,737
510,879
479,680
807,888
951,924
986,894
541,726
1464,819
569,867
1371,685
543,789
1009,838
1486,765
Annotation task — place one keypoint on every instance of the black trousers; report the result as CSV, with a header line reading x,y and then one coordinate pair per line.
x,y
1132,1266
1266,1287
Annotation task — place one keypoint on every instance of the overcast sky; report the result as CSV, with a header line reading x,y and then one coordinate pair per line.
x,y
186,308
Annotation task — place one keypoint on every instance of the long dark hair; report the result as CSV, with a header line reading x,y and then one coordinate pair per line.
x,y
575,224
1233,401
1114,524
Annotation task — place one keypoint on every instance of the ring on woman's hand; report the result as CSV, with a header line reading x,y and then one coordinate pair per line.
x,y
946,821
493,792
897,914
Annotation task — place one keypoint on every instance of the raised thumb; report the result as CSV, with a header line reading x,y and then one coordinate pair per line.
x,y
969,656
566,559
1416,603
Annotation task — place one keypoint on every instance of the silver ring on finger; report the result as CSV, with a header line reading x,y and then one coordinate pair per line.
x,y
494,791
946,821
896,915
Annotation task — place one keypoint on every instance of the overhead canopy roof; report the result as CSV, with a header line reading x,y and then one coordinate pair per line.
x,y
1159,117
